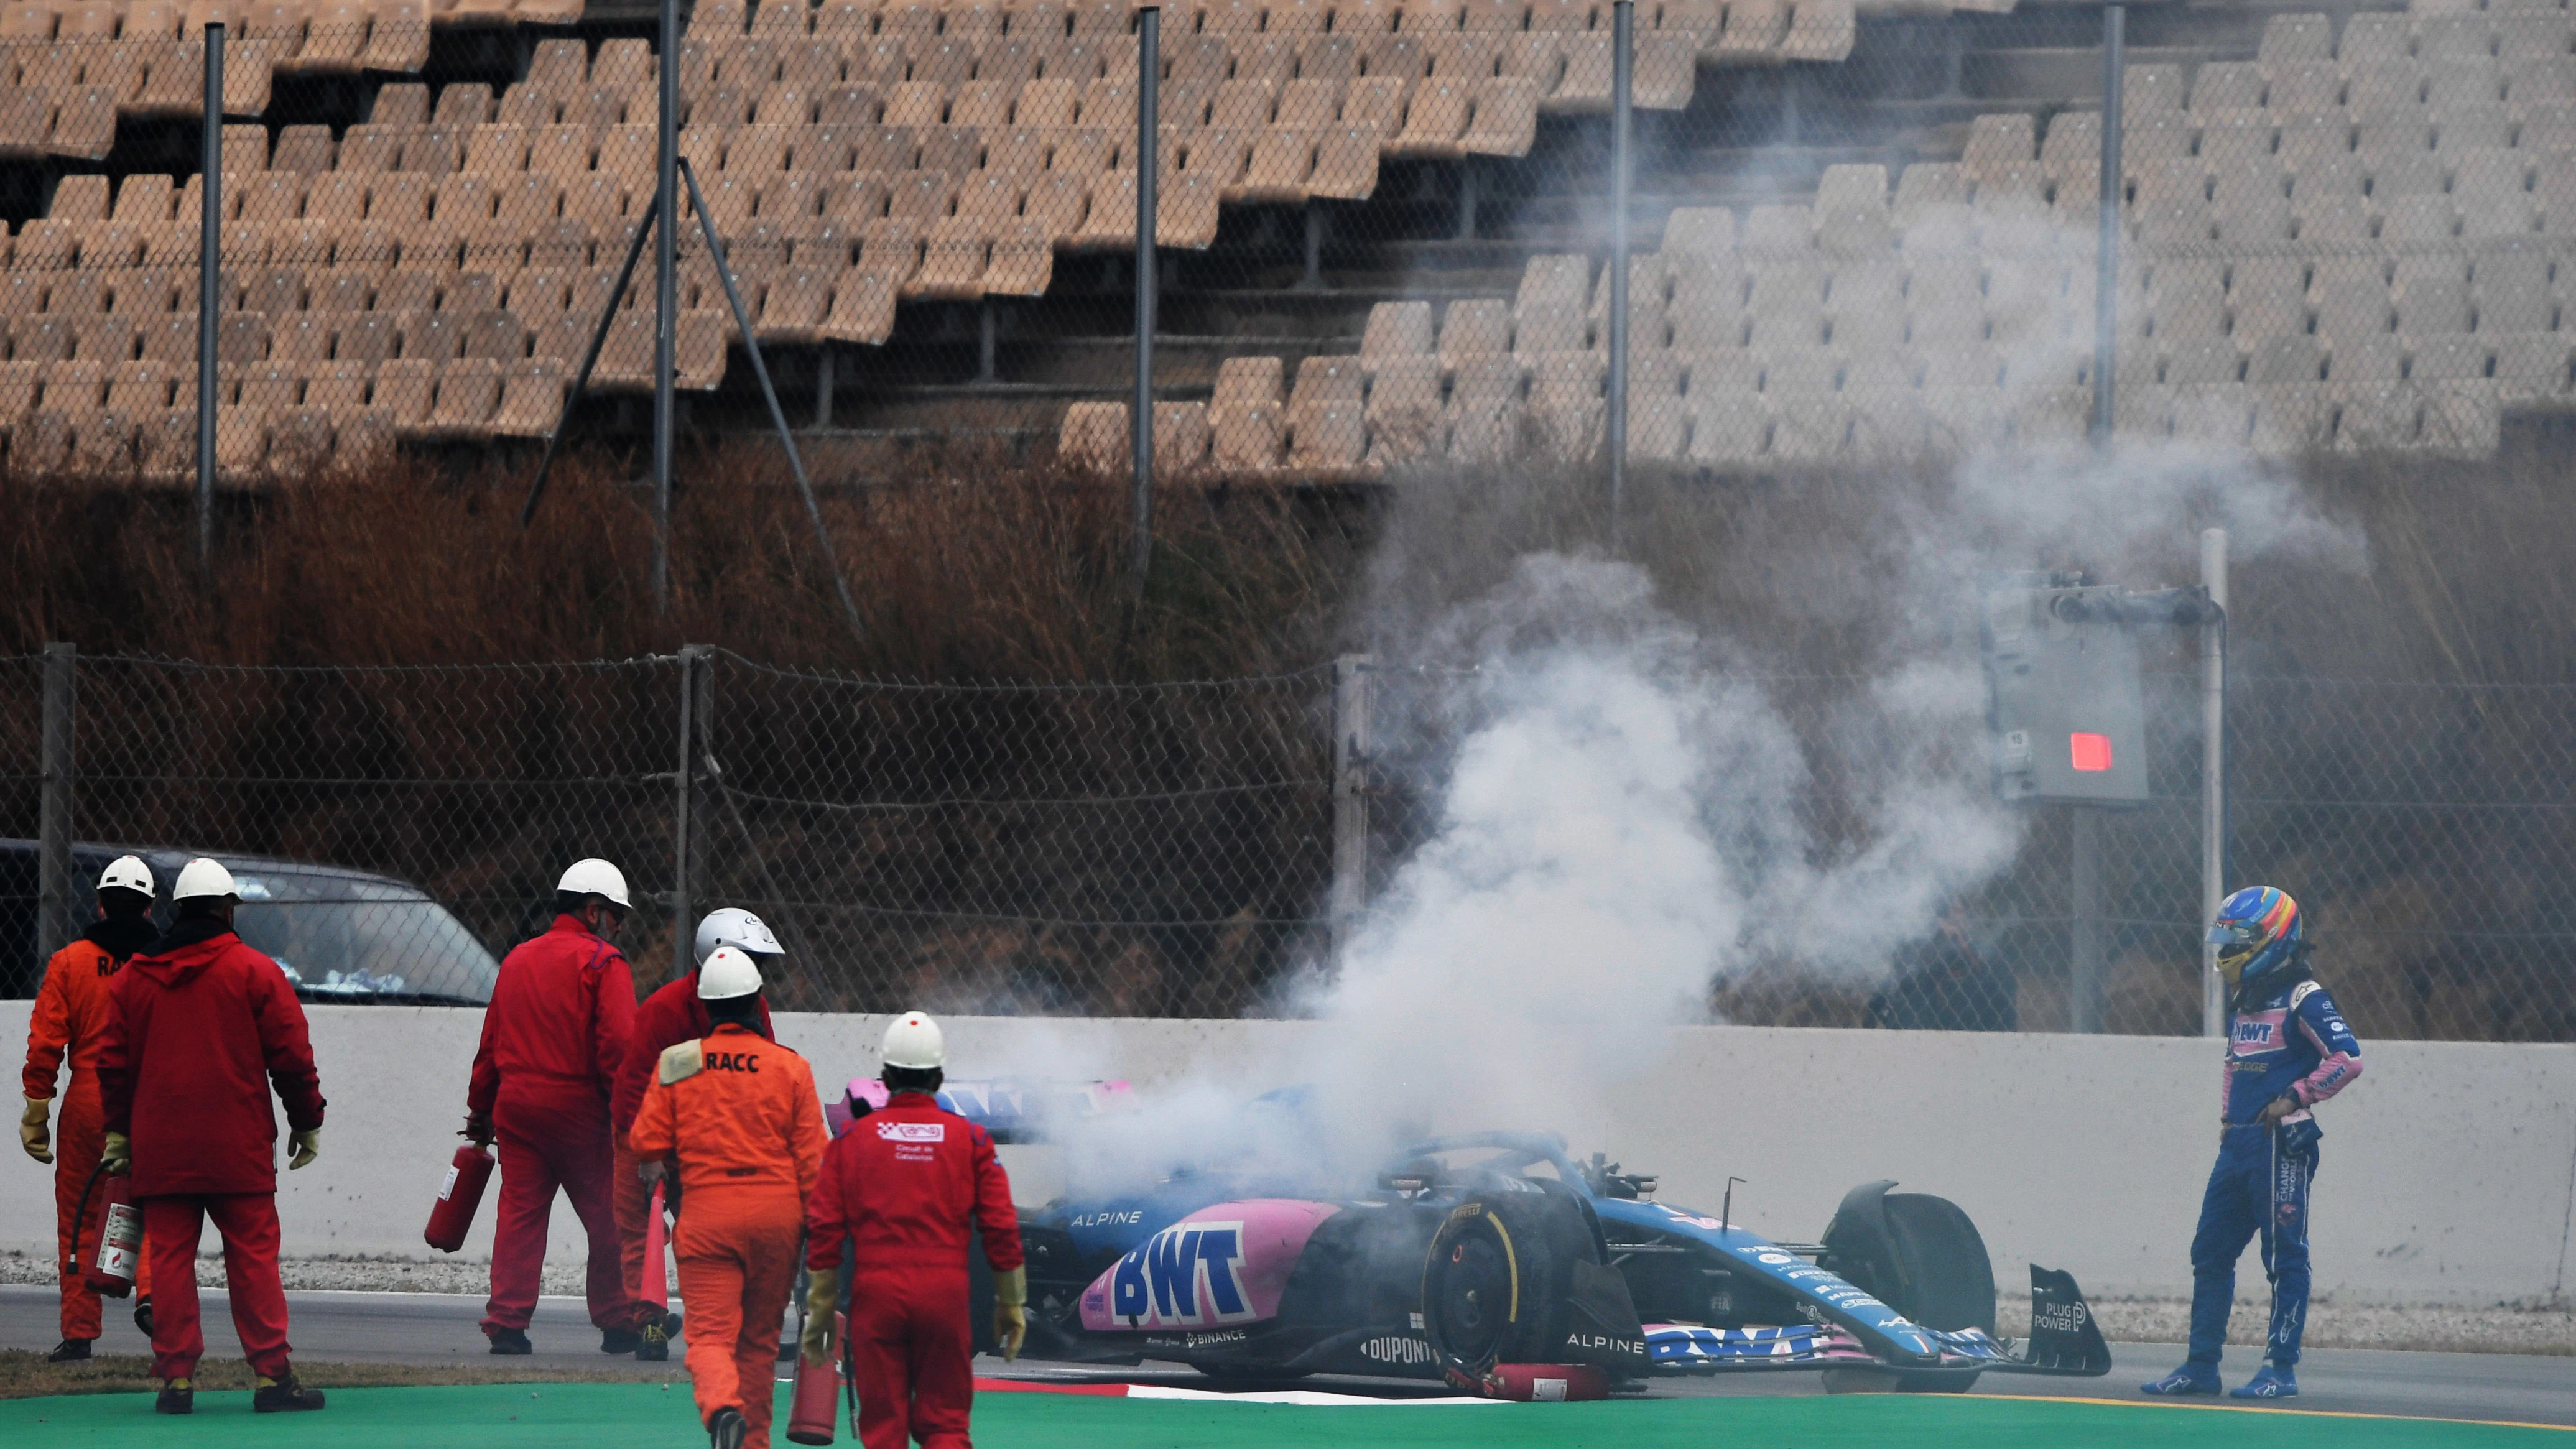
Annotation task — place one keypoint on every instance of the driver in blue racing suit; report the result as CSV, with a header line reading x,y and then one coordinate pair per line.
x,y
2288,1049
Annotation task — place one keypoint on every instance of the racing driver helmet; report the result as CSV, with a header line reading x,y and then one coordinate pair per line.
x,y
2258,933
740,929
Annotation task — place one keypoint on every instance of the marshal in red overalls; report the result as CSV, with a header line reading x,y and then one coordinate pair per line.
x,y
907,1185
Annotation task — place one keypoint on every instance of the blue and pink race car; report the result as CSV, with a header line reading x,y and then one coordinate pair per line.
x,y
1494,1248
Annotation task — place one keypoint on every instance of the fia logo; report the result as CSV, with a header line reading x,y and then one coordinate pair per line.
x,y
1189,1275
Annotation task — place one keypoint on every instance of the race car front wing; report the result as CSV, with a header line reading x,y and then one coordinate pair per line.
x,y
2064,1341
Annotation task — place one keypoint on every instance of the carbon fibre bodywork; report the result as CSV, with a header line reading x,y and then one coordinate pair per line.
x,y
1269,1273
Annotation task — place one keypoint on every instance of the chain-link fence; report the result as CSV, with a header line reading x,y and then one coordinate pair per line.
x,y
1171,850
1860,235
1129,850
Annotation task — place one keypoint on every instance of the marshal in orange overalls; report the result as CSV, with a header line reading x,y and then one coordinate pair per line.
x,y
72,1009
740,1115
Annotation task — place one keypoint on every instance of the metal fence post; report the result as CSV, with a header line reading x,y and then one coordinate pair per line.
x,y
1149,75
57,894
1350,795
210,295
2213,773
2084,978
2106,260
683,797
1622,45
666,295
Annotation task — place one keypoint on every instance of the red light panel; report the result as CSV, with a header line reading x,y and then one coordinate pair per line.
x,y
2091,752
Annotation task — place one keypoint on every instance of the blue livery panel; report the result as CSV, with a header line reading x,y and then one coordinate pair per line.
x,y
1881,1329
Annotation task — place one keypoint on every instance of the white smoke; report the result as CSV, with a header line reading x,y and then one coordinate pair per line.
x,y
1618,825
1627,814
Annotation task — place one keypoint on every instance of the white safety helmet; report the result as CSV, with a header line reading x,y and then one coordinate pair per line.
x,y
594,878
726,974
129,873
200,878
913,1042
738,928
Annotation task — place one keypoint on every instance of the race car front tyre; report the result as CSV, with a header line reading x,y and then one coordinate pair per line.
x,y
1918,1254
1495,1279
1952,1277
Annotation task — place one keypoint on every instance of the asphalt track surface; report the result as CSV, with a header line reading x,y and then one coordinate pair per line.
x,y
439,1330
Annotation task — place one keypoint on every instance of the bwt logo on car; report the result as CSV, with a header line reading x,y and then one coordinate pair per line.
x,y
1188,1275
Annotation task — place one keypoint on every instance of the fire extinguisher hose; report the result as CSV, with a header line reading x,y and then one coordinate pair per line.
x,y
81,1219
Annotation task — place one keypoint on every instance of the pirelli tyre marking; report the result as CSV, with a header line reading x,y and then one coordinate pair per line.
x,y
1511,1258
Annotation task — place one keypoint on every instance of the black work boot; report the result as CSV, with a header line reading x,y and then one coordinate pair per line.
x,y
511,1341
143,1314
653,1345
178,1396
619,1340
283,1395
726,1429
70,1350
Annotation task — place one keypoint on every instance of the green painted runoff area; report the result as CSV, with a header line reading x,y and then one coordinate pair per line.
x,y
636,1416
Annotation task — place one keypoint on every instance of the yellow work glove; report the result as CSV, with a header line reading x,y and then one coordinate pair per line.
x,y
31,1130
1010,1318
822,1295
302,1147
116,1154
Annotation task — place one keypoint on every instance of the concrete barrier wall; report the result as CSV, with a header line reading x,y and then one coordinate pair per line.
x,y
2449,1170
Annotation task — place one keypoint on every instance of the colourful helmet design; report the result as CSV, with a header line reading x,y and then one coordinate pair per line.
x,y
2257,932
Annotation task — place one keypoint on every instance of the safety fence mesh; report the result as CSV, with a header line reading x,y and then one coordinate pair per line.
x,y
1860,234
1168,849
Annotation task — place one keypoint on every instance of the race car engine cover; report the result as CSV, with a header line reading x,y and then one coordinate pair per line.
x,y
1221,1266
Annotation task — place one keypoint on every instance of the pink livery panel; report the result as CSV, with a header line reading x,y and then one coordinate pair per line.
x,y
1221,1265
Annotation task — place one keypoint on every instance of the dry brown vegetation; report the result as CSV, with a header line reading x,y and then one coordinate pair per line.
x,y
962,568
967,567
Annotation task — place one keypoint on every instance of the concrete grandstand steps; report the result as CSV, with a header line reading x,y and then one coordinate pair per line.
x,y
1065,367
2038,78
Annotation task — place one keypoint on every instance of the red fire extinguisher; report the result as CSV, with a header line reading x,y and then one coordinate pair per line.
x,y
657,1282
110,1272
816,1411
1544,1383
458,1198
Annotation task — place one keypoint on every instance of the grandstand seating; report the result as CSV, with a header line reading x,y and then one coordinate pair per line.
x,y
2355,242
857,154
2350,239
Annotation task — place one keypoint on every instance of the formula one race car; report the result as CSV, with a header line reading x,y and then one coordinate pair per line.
x,y
1498,1248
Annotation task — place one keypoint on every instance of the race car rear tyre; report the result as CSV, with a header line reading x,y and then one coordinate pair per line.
x,y
1496,1277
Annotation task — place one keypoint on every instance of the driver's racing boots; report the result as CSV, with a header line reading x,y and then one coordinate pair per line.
x,y
2183,1382
2271,1381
